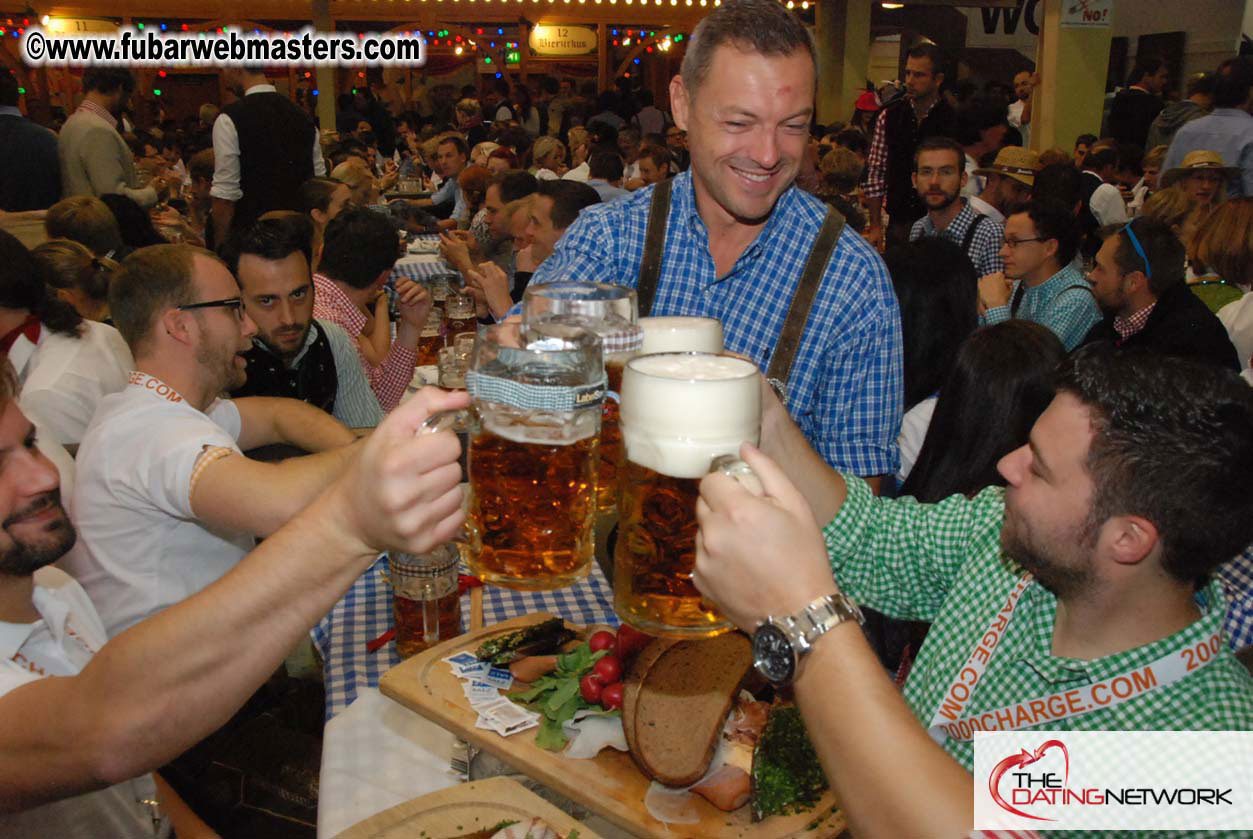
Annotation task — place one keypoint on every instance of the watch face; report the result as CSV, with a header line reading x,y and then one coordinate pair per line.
x,y
772,654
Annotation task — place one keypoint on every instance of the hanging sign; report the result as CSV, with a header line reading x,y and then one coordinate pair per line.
x,y
562,40
1078,13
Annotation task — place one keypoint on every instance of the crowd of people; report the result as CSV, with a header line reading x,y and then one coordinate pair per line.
x,y
1005,367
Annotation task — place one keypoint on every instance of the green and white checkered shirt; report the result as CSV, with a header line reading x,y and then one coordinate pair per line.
x,y
942,563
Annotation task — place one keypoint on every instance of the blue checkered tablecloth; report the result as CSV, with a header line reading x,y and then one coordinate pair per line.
x,y
365,613
421,266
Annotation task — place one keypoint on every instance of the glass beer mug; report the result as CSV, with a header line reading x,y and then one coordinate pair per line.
x,y
681,334
609,311
426,606
682,414
533,426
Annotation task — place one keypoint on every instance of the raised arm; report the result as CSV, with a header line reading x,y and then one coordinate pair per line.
x,y
764,556
167,682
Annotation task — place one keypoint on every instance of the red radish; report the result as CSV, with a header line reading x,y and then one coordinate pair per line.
x,y
608,670
611,696
590,686
601,641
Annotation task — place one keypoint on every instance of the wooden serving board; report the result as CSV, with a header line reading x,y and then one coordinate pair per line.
x,y
610,784
464,809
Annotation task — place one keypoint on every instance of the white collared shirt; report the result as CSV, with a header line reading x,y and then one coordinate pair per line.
x,y
983,208
64,378
61,643
226,169
145,549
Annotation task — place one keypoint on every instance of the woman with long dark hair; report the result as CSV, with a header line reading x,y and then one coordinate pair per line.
x,y
1001,381
65,364
937,291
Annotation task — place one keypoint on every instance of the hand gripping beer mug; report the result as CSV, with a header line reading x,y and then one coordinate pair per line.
x,y
681,334
610,311
681,412
534,423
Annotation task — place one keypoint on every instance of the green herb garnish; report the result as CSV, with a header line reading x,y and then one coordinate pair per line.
x,y
787,777
556,698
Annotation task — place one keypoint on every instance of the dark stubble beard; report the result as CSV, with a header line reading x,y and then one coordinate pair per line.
x,y
1066,582
24,558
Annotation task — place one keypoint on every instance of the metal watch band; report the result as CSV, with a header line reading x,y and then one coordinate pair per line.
x,y
821,616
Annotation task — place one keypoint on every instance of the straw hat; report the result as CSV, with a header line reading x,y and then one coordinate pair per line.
x,y
1199,159
1014,162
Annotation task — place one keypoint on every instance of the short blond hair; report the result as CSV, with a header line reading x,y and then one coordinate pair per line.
x,y
546,146
1170,206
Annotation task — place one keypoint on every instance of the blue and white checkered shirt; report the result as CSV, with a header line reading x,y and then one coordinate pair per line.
x,y
1064,303
985,244
1237,579
845,388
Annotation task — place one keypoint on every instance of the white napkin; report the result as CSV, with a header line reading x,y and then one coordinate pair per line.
x,y
377,754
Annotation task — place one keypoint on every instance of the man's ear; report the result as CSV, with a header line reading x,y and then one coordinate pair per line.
x,y
174,323
1130,538
679,101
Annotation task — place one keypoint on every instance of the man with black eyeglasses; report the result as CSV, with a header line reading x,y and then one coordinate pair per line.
x,y
166,502
1041,281
1138,282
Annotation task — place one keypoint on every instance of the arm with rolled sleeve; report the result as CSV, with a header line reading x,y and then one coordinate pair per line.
x,y
901,557
356,406
226,174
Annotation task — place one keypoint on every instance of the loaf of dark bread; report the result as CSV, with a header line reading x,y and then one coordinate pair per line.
x,y
644,662
680,704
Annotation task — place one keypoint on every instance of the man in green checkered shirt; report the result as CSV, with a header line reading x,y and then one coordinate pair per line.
x,y
1133,488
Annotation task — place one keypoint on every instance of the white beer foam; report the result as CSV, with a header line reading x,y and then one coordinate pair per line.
x,y
680,411
681,334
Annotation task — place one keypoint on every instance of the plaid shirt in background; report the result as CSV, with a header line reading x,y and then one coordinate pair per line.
x,y
1236,577
942,563
1064,303
877,157
985,245
845,389
388,380
1126,327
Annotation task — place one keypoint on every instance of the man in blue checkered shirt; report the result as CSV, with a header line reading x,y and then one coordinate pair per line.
x,y
939,179
739,234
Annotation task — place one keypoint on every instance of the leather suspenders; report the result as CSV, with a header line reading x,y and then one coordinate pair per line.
x,y
654,247
789,340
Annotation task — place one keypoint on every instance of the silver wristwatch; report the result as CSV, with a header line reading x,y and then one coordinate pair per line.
x,y
779,644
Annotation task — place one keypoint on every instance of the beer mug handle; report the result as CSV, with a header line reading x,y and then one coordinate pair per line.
x,y
732,466
453,421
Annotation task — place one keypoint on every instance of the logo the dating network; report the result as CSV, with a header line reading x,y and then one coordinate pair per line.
x,y
1172,780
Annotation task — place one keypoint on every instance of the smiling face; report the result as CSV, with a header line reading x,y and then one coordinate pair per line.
x,y
34,528
539,228
224,336
278,296
1048,499
1022,85
746,126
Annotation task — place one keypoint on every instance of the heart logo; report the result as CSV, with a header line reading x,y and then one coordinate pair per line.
x,y
1025,758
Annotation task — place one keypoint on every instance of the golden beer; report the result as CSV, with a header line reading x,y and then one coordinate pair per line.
x,y
679,412
431,339
611,453
532,506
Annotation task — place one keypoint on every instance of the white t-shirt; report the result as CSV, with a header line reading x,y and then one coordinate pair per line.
x,y
914,427
579,173
145,548
61,643
1237,316
64,378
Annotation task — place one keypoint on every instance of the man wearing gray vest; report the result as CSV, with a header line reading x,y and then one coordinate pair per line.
x,y
809,301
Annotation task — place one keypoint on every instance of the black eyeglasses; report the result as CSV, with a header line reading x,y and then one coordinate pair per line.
x,y
236,303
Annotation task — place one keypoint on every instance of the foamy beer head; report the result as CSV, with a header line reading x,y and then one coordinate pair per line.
x,y
681,410
681,334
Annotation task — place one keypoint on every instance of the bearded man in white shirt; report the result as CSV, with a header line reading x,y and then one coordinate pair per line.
x,y
166,501
82,721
